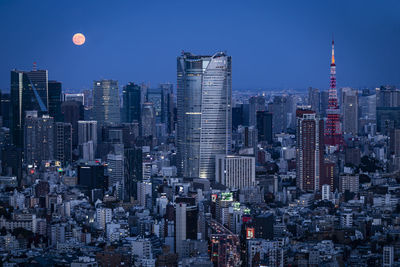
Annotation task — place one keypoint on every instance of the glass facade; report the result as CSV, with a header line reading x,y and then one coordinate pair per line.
x,y
106,102
29,91
204,112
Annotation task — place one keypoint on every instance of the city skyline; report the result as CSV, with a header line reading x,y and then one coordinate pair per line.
x,y
366,37
155,160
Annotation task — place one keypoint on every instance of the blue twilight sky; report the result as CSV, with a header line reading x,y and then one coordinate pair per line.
x,y
273,44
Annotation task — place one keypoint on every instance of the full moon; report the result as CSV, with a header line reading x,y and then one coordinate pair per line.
x,y
78,39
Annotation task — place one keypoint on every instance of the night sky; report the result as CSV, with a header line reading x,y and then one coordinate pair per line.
x,y
273,44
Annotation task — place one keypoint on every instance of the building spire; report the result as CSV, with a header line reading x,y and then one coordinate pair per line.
x,y
333,52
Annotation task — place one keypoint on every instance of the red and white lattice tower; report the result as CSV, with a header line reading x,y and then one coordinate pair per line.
x,y
333,133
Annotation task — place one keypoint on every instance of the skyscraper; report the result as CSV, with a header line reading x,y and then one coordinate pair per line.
x,y
131,95
185,225
350,110
106,102
39,138
55,100
314,99
73,111
309,150
256,103
280,118
115,169
333,133
87,131
204,92
63,142
264,126
29,91
148,120
167,106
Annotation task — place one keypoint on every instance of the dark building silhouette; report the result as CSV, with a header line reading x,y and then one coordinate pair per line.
x,y
5,109
387,118
131,95
73,112
264,226
264,126
63,142
91,175
237,117
55,92
133,170
29,91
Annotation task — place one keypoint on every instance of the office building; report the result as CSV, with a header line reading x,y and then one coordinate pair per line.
x,y
256,103
264,126
131,98
39,138
106,102
91,175
264,226
279,117
387,97
235,172
79,97
185,225
63,142
314,99
237,116
29,91
310,150
115,169
204,112
87,131
133,170
148,120
72,112
350,111
387,118
55,91
167,106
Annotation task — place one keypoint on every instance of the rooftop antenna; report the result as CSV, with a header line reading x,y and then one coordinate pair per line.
x,y
34,66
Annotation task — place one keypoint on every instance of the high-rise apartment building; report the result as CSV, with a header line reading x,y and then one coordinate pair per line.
x,y
309,150
204,112
106,102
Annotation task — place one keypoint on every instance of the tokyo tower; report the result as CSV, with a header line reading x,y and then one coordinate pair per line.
x,y
333,133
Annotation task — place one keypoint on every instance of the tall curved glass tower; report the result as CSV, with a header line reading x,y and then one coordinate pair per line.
x,y
204,112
